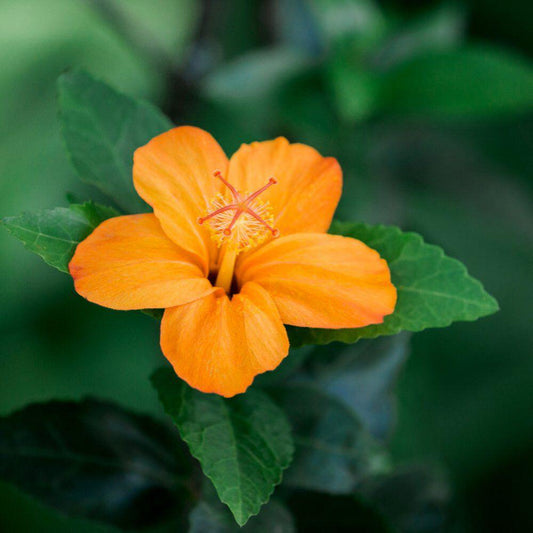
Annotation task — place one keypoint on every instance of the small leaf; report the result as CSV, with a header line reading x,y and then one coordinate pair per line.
x,y
334,452
474,82
102,128
243,443
95,460
433,290
54,234
362,376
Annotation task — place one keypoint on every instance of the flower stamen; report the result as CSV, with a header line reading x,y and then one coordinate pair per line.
x,y
243,223
237,225
271,181
274,231
216,212
234,192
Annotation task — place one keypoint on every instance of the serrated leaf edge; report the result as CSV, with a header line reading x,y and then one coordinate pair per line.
x,y
239,518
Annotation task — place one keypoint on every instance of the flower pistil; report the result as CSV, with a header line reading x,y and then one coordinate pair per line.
x,y
237,225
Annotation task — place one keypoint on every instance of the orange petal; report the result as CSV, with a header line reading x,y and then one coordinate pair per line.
x,y
322,281
129,263
308,185
174,174
217,345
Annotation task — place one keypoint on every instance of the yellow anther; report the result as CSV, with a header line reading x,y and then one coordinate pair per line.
x,y
243,222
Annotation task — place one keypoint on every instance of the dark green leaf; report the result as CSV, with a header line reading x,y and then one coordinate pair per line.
x,y
474,81
413,498
102,128
54,233
243,443
433,290
95,460
362,377
333,450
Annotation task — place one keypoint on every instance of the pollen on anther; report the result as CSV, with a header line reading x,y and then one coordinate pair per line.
x,y
243,222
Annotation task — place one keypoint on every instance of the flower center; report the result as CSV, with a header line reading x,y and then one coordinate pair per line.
x,y
242,222
238,224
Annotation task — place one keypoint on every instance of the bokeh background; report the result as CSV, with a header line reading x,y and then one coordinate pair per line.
x,y
429,108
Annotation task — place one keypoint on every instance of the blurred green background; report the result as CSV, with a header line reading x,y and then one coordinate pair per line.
x,y
429,108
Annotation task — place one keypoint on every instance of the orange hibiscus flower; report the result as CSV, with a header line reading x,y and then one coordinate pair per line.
x,y
233,250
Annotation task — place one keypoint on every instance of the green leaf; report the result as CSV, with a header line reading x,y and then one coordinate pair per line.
x,y
212,516
54,234
475,81
102,128
433,290
362,377
95,460
334,452
243,443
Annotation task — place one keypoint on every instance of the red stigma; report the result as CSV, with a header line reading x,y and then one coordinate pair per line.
x,y
240,206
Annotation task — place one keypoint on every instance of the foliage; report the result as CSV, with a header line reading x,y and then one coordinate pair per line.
x,y
362,377
243,443
102,129
472,82
333,451
211,515
54,233
61,451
